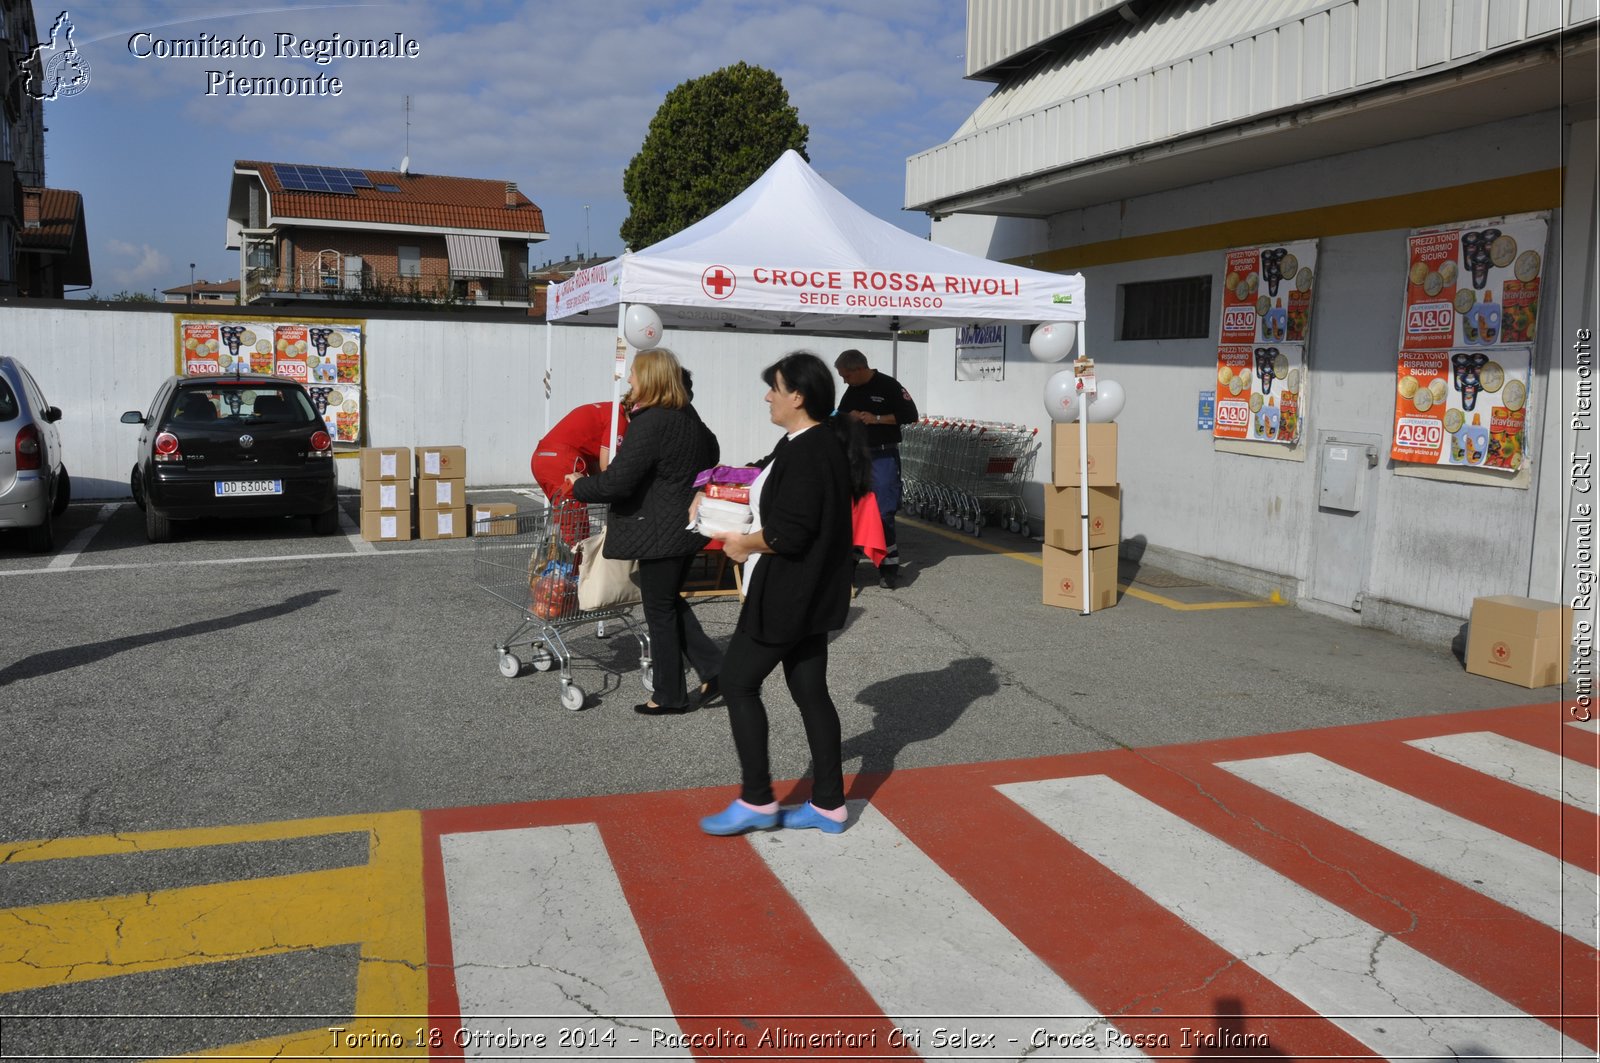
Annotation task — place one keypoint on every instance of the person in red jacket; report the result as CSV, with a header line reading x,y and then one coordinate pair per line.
x,y
577,443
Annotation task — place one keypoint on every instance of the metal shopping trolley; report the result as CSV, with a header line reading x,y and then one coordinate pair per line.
x,y
966,472
530,561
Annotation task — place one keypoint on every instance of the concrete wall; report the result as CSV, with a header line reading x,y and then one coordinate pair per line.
x,y
431,380
1252,522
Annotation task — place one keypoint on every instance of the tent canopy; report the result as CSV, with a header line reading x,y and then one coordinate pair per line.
x,y
793,251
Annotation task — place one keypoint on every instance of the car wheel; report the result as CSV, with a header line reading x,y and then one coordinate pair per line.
x,y
41,537
157,528
63,492
326,523
137,489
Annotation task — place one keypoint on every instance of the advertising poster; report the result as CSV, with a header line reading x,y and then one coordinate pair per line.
x,y
1474,285
201,348
293,348
1465,364
1258,392
1266,293
1234,396
328,357
981,352
1462,408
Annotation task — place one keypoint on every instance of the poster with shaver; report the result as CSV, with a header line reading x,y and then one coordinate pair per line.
x,y
1466,356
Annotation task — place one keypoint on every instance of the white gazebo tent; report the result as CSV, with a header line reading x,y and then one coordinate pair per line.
x,y
791,251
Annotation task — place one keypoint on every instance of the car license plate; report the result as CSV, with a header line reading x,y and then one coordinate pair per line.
x,y
235,488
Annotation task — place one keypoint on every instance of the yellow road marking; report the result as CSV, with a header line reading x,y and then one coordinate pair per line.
x,y
378,905
1131,591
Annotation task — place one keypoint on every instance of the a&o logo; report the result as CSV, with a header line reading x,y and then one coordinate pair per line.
x,y
56,68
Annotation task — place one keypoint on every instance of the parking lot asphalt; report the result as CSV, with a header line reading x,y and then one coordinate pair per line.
x,y
254,672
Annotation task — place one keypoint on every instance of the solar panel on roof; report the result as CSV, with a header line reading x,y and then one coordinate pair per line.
x,y
322,179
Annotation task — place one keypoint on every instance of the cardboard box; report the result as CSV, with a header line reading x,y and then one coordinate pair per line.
x,y
1519,640
1063,519
1063,578
385,463
494,518
1102,455
379,527
441,463
441,494
442,523
386,496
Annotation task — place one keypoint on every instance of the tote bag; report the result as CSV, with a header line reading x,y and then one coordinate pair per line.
x,y
604,583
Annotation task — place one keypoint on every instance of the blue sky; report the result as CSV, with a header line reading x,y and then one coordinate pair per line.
x,y
554,96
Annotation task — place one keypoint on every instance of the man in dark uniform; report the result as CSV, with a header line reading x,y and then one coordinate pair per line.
x,y
879,402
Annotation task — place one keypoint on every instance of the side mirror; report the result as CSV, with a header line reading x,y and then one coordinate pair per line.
x,y
52,414
133,417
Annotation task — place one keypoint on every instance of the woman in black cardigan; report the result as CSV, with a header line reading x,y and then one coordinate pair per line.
x,y
650,484
797,589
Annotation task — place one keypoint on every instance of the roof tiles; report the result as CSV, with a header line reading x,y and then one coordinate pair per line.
x,y
457,203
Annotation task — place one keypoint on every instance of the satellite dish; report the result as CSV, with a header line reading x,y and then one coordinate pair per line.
x,y
405,165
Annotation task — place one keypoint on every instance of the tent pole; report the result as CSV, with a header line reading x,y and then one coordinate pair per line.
x,y
618,371
894,354
549,340
1083,475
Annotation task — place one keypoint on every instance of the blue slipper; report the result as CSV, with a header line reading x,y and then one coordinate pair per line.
x,y
807,816
738,818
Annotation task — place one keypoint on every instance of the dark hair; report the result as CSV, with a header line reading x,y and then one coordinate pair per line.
x,y
807,374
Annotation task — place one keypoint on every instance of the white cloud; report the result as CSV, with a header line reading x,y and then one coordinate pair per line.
x,y
136,266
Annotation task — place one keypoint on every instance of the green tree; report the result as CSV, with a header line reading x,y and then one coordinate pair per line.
x,y
711,137
124,296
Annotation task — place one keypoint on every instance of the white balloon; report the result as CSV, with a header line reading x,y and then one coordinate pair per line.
x,y
1061,399
641,327
1053,341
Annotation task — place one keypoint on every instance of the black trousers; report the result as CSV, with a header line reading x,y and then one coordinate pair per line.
x,y
674,631
805,668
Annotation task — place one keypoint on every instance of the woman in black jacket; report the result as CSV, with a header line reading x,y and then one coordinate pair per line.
x,y
797,589
649,485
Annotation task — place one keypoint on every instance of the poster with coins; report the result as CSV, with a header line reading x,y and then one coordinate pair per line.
x,y
326,356
1266,324
1466,354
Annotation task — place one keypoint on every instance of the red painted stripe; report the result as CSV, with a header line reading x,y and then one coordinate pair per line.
x,y
1131,958
1520,960
444,1005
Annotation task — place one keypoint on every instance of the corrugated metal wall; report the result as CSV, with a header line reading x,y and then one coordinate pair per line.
x,y
1201,64
429,382
1000,29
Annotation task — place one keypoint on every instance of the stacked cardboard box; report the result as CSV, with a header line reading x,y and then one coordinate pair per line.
x,y
494,518
1063,520
441,492
1519,640
386,494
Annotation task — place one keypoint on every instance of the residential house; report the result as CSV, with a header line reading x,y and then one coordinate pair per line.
x,y
215,293
309,234
1151,144
43,245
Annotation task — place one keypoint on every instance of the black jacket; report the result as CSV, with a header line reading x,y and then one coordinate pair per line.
x,y
650,484
803,586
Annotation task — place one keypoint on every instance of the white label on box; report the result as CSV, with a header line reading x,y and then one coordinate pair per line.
x,y
447,522
387,497
442,491
388,527
430,462
386,465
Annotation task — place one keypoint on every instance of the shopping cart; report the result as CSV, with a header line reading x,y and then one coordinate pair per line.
x,y
530,561
966,472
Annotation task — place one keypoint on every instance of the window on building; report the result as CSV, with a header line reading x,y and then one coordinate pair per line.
x,y
410,261
1178,309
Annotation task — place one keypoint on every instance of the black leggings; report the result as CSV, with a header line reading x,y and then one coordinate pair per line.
x,y
805,667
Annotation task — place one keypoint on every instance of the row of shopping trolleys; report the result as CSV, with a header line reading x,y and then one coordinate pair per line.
x,y
968,473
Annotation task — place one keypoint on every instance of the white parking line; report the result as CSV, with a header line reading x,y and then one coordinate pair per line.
x,y
70,552
252,559
352,532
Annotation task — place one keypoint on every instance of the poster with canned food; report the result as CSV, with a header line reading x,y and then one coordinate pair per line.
x,y
1266,293
340,409
202,346
292,349
1474,285
1463,407
1259,392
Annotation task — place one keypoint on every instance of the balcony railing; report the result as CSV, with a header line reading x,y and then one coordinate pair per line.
x,y
310,283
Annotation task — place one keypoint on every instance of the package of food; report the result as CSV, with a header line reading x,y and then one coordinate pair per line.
x,y
728,474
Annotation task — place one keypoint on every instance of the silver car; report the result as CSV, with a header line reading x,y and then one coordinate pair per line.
x,y
34,485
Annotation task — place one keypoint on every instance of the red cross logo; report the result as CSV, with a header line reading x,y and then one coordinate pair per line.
x,y
1098,524
718,282
1066,586
1501,651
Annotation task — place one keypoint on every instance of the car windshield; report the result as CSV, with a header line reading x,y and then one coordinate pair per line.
x,y
242,404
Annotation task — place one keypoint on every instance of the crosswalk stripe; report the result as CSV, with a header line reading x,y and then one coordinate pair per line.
x,y
1520,764
921,944
543,938
1391,997
1586,725
1516,875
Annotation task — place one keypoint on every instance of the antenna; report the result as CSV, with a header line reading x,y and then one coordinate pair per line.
x,y
405,162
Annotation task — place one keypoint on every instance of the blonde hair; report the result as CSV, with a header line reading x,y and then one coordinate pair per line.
x,y
658,380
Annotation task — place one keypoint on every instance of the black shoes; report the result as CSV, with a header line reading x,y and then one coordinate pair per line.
x,y
889,578
647,709
710,691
